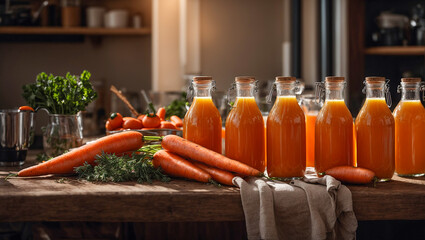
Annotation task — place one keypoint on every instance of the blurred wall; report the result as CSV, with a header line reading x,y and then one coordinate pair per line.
x,y
241,37
122,61
166,63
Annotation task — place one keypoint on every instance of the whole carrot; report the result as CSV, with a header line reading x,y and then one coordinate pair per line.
x,y
190,150
221,176
161,113
349,174
177,166
65,163
167,125
177,121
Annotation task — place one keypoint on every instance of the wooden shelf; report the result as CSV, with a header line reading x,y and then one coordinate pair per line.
x,y
75,31
396,50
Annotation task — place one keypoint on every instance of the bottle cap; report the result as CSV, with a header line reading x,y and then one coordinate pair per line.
x,y
375,79
282,79
411,80
202,79
244,79
333,79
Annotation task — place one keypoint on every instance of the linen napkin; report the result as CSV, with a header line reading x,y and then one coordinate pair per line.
x,y
313,208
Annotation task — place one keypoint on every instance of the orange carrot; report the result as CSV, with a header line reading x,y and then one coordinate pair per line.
x,y
177,166
161,113
65,163
177,121
221,176
132,123
25,108
198,153
349,174
167,125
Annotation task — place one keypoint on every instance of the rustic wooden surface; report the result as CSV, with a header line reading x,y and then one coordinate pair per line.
x,y
51,199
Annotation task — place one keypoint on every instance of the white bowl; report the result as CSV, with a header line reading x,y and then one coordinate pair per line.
x,y
116,19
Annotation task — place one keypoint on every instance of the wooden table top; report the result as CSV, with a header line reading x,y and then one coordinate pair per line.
x,y
68,199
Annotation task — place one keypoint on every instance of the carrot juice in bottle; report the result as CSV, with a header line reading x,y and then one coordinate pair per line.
x,y
375,131
202,123
409,118
245,135
286,133
311,108
334,128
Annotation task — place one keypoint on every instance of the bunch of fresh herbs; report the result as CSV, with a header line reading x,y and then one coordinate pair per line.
x,y
60,95
112,168
177,107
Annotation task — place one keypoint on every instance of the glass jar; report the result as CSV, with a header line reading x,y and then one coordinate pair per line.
x,y
71,13
62,133
286,154
334,128
311,108
202,122
375,130
245,133
409,118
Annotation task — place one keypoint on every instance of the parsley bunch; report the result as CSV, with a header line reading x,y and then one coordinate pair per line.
x,y
112,168
60,95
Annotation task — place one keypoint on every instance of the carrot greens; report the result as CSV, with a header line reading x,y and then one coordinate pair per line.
x,y
113,168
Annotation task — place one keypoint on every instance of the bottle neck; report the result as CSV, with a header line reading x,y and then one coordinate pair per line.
x,y
285,89
245,89
410,91
334,90
202,90
375,90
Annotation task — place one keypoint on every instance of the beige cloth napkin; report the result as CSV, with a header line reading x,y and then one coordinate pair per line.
x,y
316,208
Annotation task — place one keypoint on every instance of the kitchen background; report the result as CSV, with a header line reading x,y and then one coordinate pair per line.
x,y
309,39
176,39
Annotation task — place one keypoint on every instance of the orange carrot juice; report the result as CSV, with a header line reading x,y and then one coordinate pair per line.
x,y
334,136
375,138
202,123
286,139
245,133
310,120
410,135
334,129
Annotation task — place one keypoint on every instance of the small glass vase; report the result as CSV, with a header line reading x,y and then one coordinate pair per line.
x,y
62,133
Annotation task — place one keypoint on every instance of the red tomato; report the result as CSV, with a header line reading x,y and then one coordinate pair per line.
x,y
115,121
151,121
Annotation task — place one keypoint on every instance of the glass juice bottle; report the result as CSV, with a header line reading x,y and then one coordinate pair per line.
x,y
375,130
311,108
202,123
245,135
409,118
286,154
334,128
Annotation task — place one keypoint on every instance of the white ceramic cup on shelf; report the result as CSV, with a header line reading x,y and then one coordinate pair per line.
x,y
95,17
116,19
